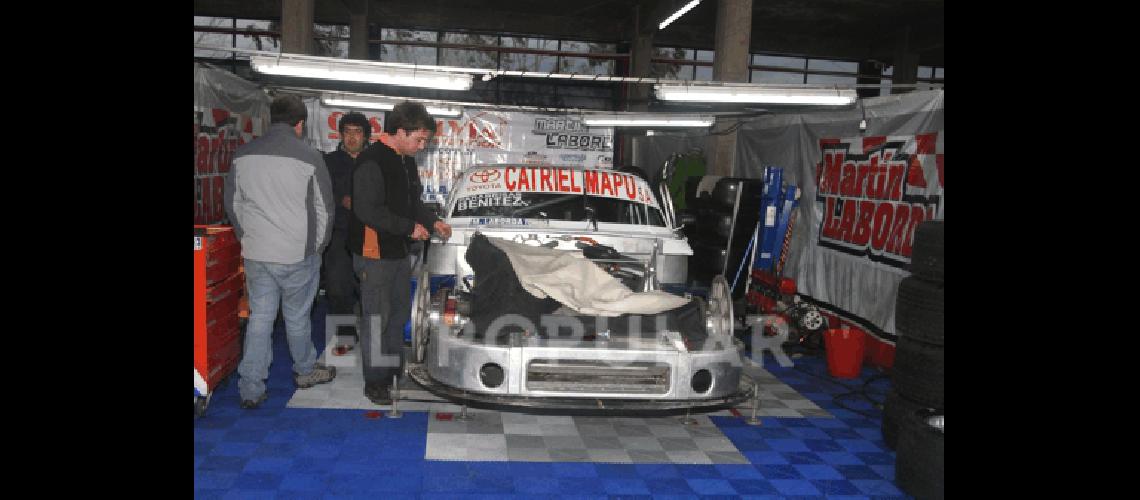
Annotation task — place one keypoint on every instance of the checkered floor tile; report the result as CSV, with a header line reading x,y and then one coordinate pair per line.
x,y
496,436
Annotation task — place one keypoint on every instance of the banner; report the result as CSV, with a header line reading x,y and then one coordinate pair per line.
x,y
864,192
325,126
480,137
228,112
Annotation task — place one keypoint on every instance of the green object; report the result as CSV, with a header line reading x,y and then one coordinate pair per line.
x,y
690,165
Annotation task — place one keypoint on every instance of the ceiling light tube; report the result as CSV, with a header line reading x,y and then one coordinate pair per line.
x,y
647,120
756,94
357,71
445,111
680,12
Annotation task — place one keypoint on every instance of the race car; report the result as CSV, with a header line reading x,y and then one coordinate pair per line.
x,y
555,294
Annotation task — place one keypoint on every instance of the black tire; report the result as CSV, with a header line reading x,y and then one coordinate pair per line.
x,y
927,254
724,225
724,194
919,308
919,372
895,408
920,466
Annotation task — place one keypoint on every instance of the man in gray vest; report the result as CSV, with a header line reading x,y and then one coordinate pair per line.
x,y
279,198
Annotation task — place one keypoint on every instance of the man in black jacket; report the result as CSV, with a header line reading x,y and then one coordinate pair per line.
x,y
388,209
340,282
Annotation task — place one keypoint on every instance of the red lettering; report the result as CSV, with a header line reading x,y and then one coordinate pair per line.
x,y
847,225
215,153
877,185
606,186
847,185
917,215
591,181
829,184
334,130
924,143
507,179
630,188
202,154
882,225
830,221
574,183
544,180
894,184
894,241
376,128
863,228
861,177
938,159
618,182
563,179
524,179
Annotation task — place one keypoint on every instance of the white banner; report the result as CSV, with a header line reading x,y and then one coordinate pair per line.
x,y
864,192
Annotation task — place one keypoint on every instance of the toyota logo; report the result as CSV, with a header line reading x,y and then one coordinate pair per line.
x,y
484,176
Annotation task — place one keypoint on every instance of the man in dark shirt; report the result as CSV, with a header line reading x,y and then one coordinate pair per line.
x,y
388,209
340,282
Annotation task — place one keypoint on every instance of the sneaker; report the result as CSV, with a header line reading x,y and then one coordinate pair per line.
x,y
320,374
249,404
378,394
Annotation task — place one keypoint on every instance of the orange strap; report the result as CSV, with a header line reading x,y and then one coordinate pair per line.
x,y
371,248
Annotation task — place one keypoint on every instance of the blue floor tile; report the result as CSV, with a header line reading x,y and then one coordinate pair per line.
x,y
773,472
624,486
753,487
818,472
711,486
669,486
795,487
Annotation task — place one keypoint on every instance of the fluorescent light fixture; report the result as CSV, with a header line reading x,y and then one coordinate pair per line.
x,y
756,94
359,71
647,120
680,12
446,111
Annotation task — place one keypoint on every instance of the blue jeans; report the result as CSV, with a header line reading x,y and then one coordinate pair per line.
x,y
267,284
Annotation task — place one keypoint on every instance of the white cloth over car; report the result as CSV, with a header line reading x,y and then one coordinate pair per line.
x,y
578,283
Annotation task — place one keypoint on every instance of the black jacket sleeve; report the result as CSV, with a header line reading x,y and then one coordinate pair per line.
x,y
368,201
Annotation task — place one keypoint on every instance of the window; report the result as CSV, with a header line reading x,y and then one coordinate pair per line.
x,y
528,62
330,40
410,54
487,59
773,72
585,65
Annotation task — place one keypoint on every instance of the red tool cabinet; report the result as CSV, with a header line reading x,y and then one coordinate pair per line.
x,y
219,287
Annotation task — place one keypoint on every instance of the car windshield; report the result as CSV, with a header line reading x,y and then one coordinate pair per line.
x,y
575,196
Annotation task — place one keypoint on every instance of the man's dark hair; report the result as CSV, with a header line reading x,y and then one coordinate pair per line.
x,y
287,109
410,116
359,120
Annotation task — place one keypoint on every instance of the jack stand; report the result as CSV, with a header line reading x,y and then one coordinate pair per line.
x,y
395,412
755,405
463,413
688,420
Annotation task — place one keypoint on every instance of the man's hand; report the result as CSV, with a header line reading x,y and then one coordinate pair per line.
x,y
346,202
419,233
443,228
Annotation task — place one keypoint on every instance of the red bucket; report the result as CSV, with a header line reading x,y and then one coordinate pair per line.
x,y
844,351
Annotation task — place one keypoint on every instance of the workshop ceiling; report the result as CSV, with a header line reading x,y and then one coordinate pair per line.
x,y
845,29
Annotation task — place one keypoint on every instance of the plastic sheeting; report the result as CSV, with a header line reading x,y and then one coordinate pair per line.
x,y
228,112
864,192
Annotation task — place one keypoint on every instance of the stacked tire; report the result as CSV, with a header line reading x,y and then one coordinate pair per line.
x,y
725,217
914,411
